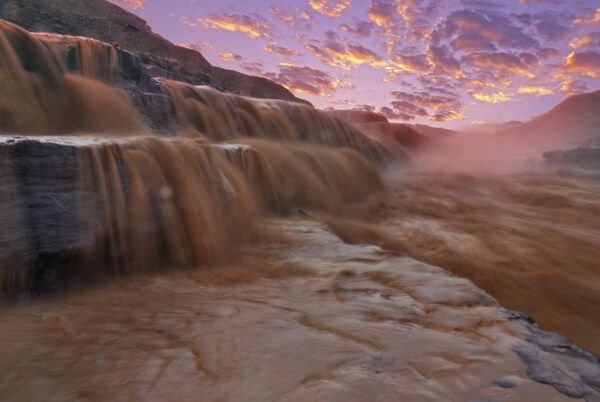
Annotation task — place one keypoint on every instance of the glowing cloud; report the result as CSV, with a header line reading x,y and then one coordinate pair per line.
x,y
587,20
585,40
472,42
444,55
447,115
499,61
479,84
499,97
287,15
585,63
497,28
572,87
362,28
417,64
535,90
305,80
443,61
230,57
409,105
346,55
381,12
330,8
282,50
253,26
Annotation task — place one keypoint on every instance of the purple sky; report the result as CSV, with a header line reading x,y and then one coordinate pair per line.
x,y
444,63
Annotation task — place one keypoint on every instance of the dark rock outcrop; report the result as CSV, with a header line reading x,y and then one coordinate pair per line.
x,y
543,349
109,23
587,158
43,224
148,95
84,57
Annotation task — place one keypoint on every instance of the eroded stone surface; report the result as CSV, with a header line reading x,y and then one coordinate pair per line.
x,y
303,316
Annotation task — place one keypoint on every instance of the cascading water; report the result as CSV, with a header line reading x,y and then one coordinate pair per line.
x,y
304,278
161,202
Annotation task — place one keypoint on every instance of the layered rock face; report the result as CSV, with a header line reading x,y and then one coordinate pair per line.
x,y
109,23
88,194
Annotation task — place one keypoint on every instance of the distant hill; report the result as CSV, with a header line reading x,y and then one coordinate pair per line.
x,y
572,123
110,23
496,127
377,125
434,132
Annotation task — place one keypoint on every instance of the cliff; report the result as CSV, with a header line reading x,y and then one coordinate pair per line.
x,y
572,123
109,23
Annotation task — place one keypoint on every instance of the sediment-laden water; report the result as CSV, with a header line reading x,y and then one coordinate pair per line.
x,y
272,251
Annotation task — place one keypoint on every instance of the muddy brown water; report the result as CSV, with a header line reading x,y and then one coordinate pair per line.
x,y
266,254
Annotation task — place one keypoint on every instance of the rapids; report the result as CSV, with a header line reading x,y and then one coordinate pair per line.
x,y
271,251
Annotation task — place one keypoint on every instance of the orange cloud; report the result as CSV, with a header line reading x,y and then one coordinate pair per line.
x,y
418,64
362,28
447,115
252,26
479,84
381,12
330,8
345,55
230,57
282,50
501,62
535,90
443,62
286,15
548,53
305,80
572,87
585,40
408,105
478,30
135,4
471,42
585,63
184,20
499,97
594,19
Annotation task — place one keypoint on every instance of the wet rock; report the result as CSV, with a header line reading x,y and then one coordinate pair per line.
x,y
378,364
541,371
45,223
148,95
546,356
588,158
154,109
507,382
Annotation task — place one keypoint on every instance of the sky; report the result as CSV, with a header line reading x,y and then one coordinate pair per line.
x,y
454,63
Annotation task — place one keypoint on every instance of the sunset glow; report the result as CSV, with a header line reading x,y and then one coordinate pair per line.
x,y
419,61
